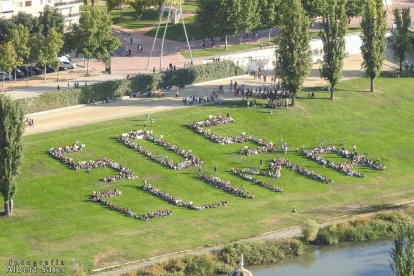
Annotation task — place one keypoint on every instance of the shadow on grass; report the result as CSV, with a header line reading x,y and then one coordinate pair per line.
x,y
2,214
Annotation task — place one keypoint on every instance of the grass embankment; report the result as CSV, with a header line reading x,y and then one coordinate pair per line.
x,y
227,259
55,215
129,17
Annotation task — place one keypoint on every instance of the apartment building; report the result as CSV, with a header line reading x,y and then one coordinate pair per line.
x,y
68,8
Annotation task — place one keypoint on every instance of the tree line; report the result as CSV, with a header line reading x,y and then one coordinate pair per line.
x,y
40,40
293,19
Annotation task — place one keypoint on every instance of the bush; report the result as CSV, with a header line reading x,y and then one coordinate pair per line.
x,y
365,228
118,88
310,230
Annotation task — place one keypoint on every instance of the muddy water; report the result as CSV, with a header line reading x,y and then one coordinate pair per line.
x,y
347,259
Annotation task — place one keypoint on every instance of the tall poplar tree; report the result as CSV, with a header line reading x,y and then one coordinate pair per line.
x,y
269,14
401,36
333,28
374,28
11,148
293,52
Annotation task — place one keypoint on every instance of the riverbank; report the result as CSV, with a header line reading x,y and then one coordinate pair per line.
x,y
369,226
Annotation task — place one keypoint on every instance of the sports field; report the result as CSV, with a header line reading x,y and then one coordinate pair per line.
x,y
55,216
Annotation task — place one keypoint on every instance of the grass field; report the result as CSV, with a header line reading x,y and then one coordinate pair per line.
x,y
55,217
176,32
128,17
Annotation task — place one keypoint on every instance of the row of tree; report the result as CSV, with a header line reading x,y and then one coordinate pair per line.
x,y
293,53
26,41
232,17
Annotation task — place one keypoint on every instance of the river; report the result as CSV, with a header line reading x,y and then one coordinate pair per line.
x,y
369,258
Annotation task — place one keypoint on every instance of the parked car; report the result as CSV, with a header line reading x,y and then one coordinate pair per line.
x,y
68,65
61,68
35,70
18,73
25,70
7,77
49,69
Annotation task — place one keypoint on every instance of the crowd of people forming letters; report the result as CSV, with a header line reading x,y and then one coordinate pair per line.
x,y
279,161
59,153
265,146
345,167
100,197
190,159
175,200
245,175
225,186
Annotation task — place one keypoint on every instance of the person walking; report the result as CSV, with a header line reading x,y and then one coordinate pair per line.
x,y
176,94
215,169
152,122
132,40
147,116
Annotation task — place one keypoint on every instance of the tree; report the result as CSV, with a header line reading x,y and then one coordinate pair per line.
x,y
94,37
35,43
269,14
11,148
310,230
293,52
401,38
247,17
354,8
20,38
8,59
139,6
49,49
51,18
220,23
402,253
110,5
205,20
334,25
374,28
313,8
6,26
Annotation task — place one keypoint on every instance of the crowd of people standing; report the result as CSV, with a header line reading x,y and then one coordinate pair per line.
x,y
190,159
225,186
177,201
256,181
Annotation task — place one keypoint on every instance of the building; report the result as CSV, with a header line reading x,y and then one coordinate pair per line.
x,y
68,8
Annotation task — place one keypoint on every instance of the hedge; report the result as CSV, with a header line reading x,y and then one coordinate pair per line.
x,y
124,87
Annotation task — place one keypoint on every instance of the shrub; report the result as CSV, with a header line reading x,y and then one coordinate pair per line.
x,y
124,87
310,230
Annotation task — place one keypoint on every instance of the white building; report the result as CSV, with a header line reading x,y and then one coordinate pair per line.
x,y
68,8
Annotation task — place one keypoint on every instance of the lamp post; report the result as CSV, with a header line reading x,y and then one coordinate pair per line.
x,y
27,76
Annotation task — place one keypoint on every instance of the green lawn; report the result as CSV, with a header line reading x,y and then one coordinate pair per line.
x,y
190,7
129,19
176,32
54,215
218,51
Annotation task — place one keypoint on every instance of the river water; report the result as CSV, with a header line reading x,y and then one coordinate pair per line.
x,y
346,259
